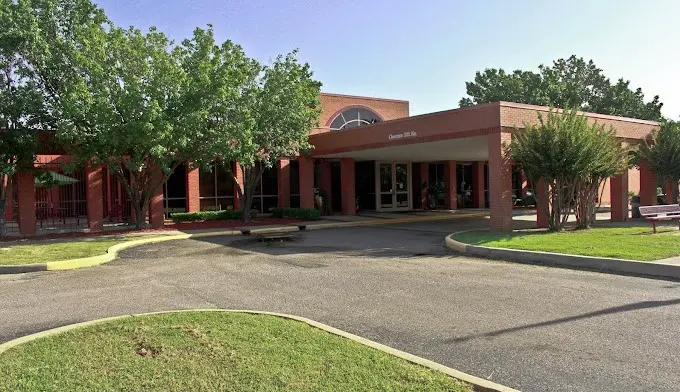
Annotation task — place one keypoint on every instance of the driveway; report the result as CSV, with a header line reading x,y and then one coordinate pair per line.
x,y
529,327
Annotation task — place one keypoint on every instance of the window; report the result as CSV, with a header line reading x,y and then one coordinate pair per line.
x,y
355,117
216,189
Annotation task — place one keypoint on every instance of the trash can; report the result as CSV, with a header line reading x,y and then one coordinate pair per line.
x,y
635,203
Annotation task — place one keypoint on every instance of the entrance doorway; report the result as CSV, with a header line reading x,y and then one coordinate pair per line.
x,y
393,186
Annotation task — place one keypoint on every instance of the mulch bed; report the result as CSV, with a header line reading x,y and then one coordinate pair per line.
x,y
224,224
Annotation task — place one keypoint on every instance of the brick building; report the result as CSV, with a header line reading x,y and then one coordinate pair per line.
x,y
369,155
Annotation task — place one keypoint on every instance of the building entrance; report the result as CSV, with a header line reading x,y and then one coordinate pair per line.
x,y
393,186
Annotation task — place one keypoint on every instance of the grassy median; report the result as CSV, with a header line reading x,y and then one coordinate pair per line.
x,y
42,252
632,243
209,351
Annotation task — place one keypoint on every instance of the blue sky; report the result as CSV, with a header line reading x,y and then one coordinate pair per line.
x,y
425,51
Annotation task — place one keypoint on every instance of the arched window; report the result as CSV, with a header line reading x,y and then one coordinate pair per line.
x,y
355,117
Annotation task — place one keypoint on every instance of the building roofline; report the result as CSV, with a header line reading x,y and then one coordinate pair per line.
x,y
587,114
363,97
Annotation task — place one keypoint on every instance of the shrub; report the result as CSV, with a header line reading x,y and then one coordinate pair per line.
x,y
301,213
207,216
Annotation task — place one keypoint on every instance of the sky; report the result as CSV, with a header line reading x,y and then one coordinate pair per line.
x,y
424,51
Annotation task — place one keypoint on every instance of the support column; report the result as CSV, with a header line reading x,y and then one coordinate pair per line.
x,y
283,181
500,183
450,194
193,189
541,196
347,184
325,182
306,170
618,190
94,180
26,199
238,174
156,218
478,185
647,185
9,208
424,184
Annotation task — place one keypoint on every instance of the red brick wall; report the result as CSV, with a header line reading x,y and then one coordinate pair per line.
x,y
332,104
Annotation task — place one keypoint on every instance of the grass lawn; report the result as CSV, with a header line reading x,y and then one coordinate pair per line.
x,y
55,251
633,243
210,351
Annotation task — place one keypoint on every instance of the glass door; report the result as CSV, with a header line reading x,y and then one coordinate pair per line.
x,y
393,191
386,187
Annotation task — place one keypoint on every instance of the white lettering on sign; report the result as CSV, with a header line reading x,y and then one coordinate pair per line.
x,y
402,135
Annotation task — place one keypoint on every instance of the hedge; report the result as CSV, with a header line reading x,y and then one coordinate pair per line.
x,y
207,216
301,213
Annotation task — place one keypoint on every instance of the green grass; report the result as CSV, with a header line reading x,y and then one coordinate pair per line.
x,y
209,351
633,243
54,251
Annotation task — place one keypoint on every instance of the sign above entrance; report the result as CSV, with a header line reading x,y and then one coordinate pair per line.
x,y
402,135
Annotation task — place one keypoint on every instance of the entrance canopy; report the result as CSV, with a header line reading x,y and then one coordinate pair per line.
x,y
459,134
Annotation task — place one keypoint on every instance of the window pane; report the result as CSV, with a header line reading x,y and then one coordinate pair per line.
x,y
206,180
177,184
269,202
269,182
257,204
225,184
208,204
225,203
294,177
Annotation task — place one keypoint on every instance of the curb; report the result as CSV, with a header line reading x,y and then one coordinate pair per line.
x,y
647,269
479,384
112,252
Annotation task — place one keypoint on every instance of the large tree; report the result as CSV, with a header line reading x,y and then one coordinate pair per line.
x,y
663,154
566,161
22,109
114,92
568,83
249,113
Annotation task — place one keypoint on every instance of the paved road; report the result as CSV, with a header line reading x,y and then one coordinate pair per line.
x,y
529,327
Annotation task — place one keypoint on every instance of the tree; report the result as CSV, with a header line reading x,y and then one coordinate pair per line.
x,y
251,114
663,154
22,110
568,83
568,160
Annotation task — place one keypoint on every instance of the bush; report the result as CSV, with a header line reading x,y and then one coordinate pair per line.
x,y
301,213
207,216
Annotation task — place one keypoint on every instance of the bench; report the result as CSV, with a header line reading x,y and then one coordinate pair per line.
x,y
276,235
660,213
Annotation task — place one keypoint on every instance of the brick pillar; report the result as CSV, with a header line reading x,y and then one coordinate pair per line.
x,y
500,183
238,175
94,180
9,208
347,184
450,194
478,185
541,212
306,172
325,180
283,181
669,192
525,183
193,189
26,199
156,218
424,184
647,185
618,190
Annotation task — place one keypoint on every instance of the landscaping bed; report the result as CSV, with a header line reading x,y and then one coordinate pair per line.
x,y
632,243
208,351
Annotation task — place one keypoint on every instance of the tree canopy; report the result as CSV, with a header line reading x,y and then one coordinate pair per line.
x,y
568,83
663,154
567,160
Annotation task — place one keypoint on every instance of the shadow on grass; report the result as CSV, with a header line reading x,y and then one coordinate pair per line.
x,y
603,312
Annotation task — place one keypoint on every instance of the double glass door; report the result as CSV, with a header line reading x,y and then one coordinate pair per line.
x,y
393,191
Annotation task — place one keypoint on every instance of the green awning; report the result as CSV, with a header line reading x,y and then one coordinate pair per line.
x,y
54,179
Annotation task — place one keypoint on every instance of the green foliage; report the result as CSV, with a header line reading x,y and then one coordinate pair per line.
x,y
300,213
568,83
249,113
567,159
179,217
663,153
